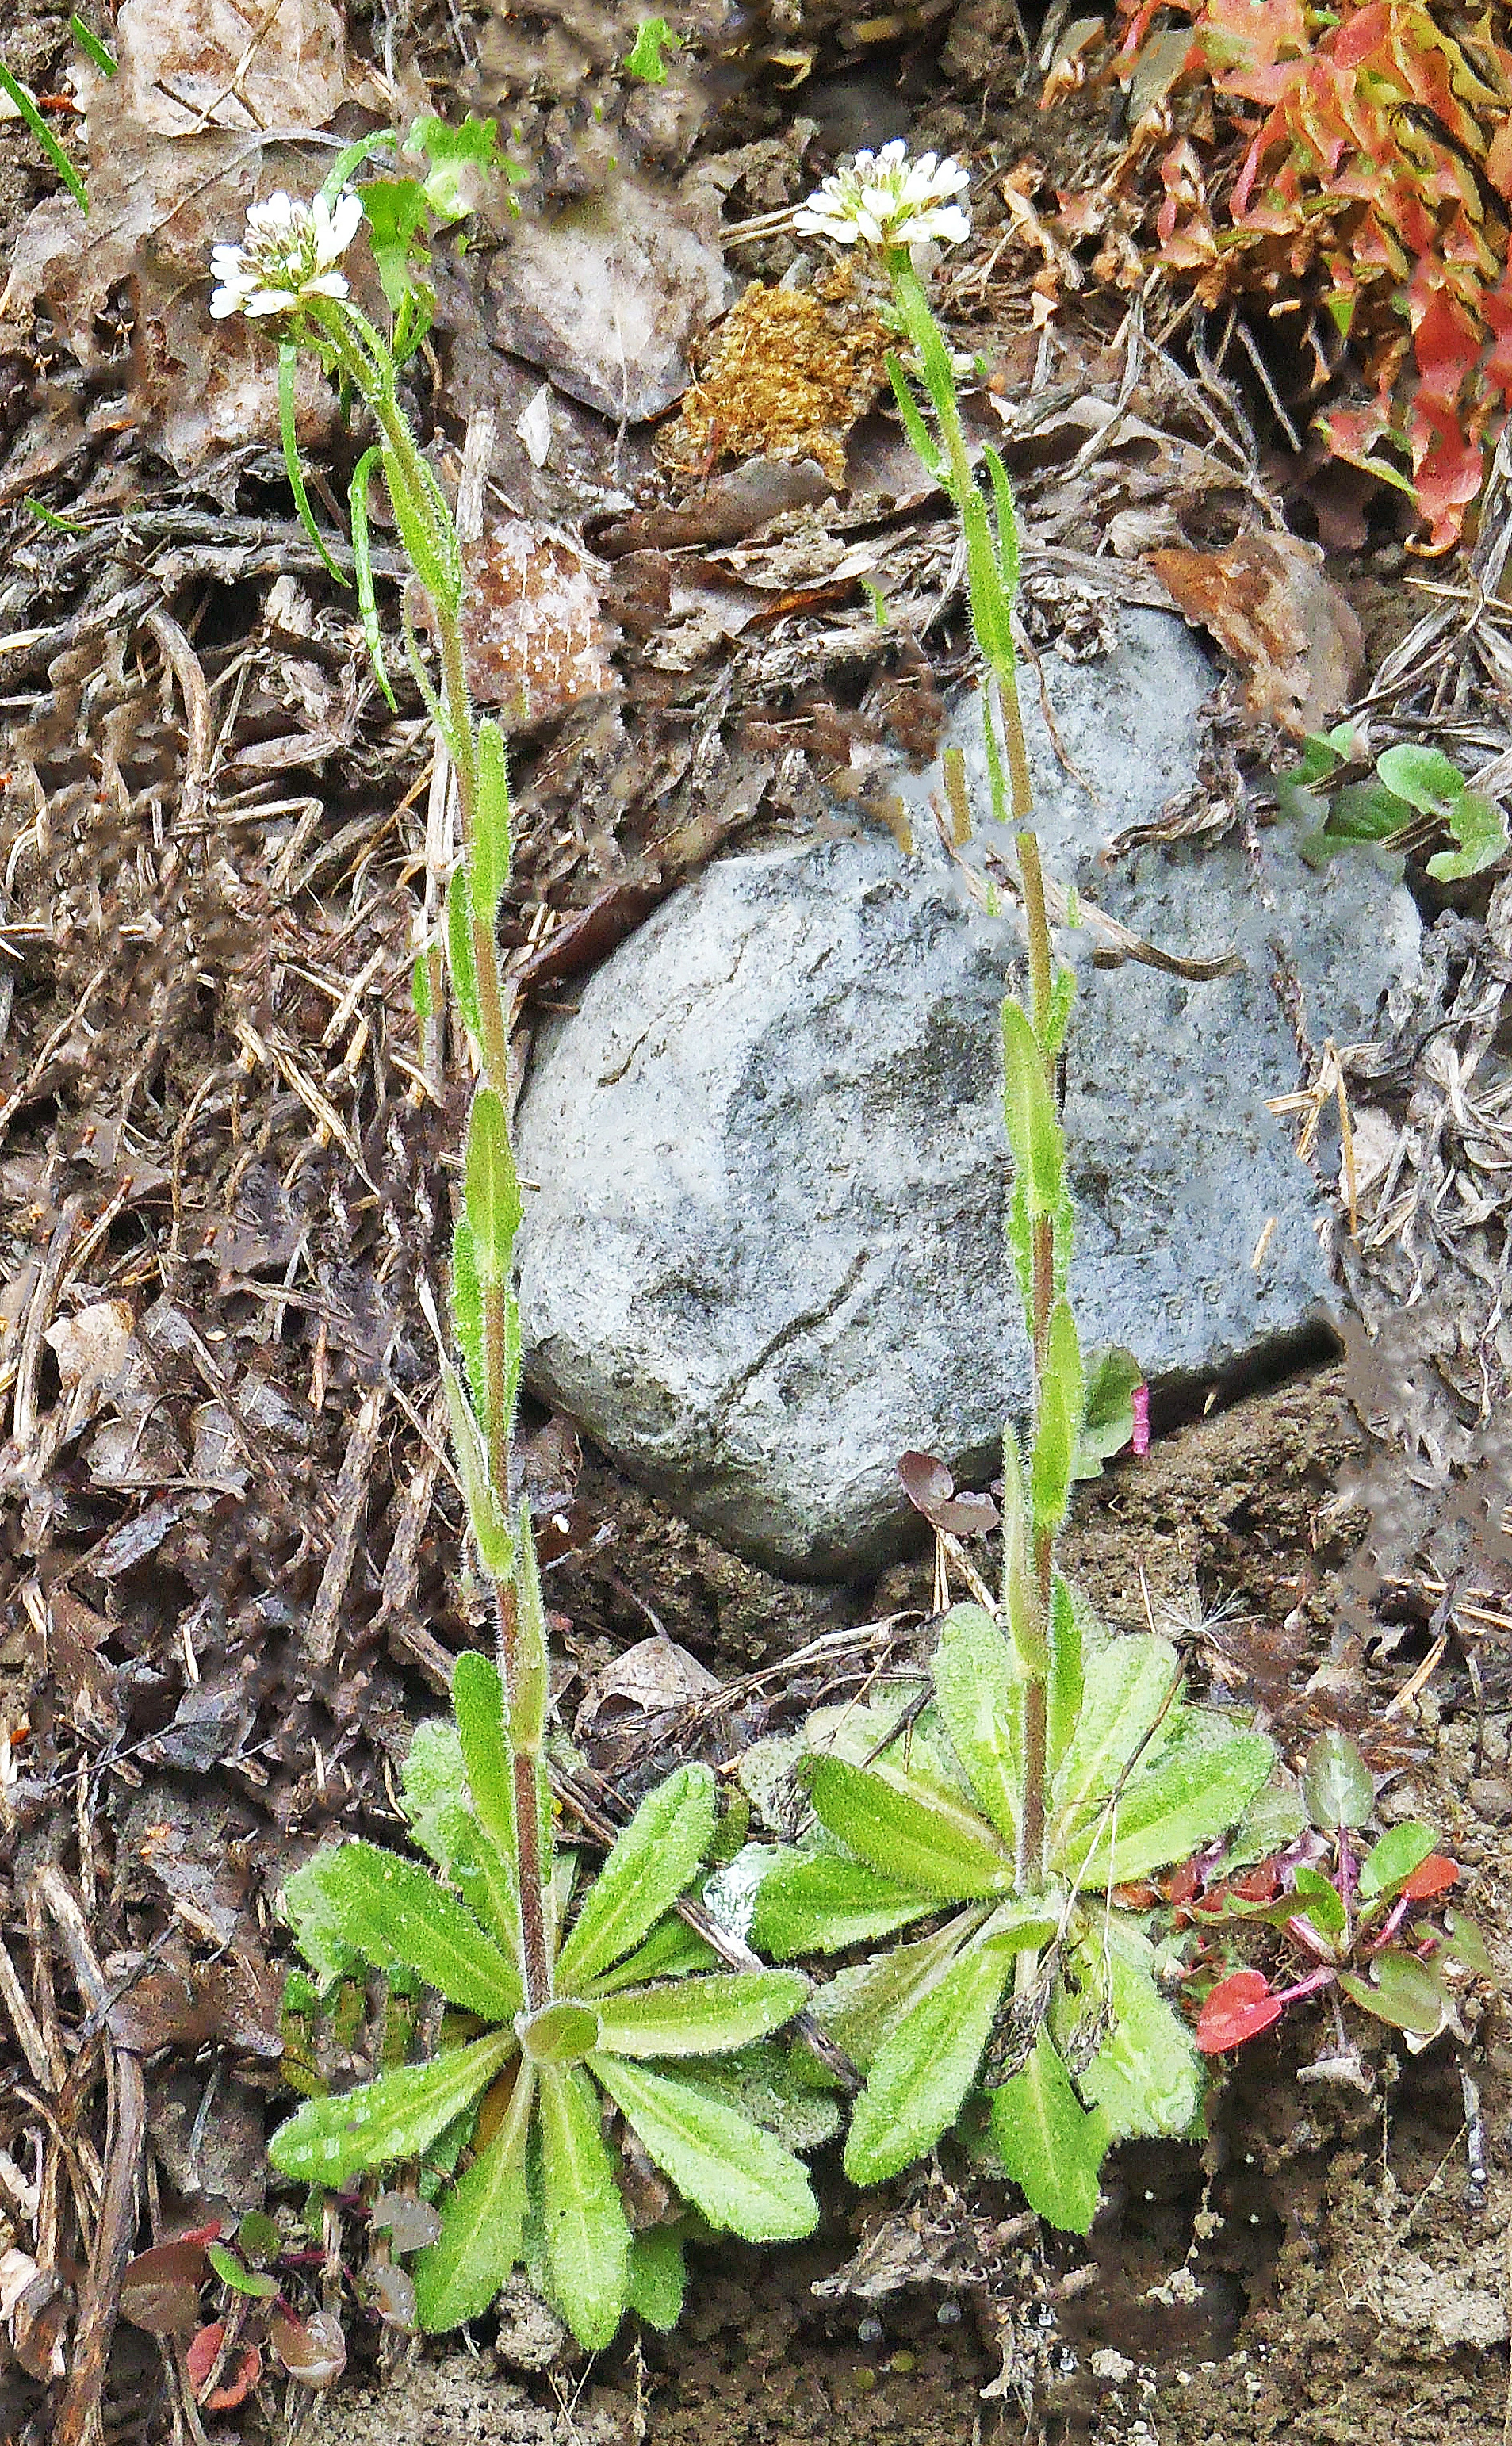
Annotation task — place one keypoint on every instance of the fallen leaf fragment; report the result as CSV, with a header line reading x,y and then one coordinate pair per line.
x,y
1266,601
533,625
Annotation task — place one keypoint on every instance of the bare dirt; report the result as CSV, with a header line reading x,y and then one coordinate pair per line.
x,y
228,1570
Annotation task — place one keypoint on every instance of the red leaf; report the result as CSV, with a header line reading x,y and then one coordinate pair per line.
x,y
1258,1885
1433,1875
239,2382
1238,2008
200,2358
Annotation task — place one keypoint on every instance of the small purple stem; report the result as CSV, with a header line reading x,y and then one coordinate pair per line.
x,y
1309,1986
1391,1923
1307,1936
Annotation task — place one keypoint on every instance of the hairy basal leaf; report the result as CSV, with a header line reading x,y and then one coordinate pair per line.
x,y
980,1698
921,2072
399,2114
650,1865
587,2235
394,1911
943,1851
821,1902
733,2172
701,2017
1048,2141
482,2224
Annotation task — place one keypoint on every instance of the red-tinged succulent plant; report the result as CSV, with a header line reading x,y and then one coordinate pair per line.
x,y
1379,170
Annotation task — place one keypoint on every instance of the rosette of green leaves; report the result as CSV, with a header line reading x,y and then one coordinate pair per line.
x,y
1044,2000
635,2021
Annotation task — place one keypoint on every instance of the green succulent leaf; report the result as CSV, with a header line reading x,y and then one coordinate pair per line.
x,y
658,2277
587,2235
1316,1898
1403,1991
483,2221
1050,2144
822,1902
1035,1135
652,1864
460,953
701,2017
921,2072
491,1530
861,2004
331,2140
941,1849
980,1697
725,2165
1337,1785
394,1911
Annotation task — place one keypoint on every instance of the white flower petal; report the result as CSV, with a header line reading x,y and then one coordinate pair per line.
x,y
325,284
271,301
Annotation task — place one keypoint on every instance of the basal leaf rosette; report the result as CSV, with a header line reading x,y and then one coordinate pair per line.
x,y
1045,1999
634,2022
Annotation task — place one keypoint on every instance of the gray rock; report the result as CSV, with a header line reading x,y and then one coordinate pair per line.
x,y
764,1254
607,298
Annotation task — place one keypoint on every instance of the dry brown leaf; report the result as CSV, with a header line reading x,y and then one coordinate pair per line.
x,y
534,627
1266,601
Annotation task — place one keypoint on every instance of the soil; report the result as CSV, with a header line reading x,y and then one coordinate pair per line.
x,y
213,1651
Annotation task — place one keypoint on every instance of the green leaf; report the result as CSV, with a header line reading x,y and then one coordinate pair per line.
x,y
1125,1686
482,2224
1035,1135
434,1780
1063,1698
921,2072
924,446
1403,1992
652,1864
333,2140
467,1311
362,558
459,159
394,1911
1463,1942
1317,1899
492,1532
315,1921
861,2005
460,952
1481,830
478,1703
701,2017
491,839
587,2235
560,2033
658,2277
1058,1425
1048,2142
1113,1378
423,520
241,2278
644,59
1198,1786
287,367
822,1902
530,1699
26,110
733,2173
1146,2077
92,48
940,1850
397,213
492,1189
1337,1785
672,1951
1423,777
980,1697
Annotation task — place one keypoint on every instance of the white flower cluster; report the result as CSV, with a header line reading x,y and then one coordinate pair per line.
x,y
290,253
885,199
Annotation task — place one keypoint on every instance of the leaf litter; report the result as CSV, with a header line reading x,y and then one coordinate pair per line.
x,y
234,1535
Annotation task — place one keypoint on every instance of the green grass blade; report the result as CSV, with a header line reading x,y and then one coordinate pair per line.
x,y
92,48
44,136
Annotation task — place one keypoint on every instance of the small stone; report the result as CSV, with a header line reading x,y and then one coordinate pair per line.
x,y
1490,1796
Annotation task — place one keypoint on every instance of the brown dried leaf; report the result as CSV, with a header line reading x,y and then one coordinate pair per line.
x,y
411,2224
1267,602
533,624
652,1677
159,2291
